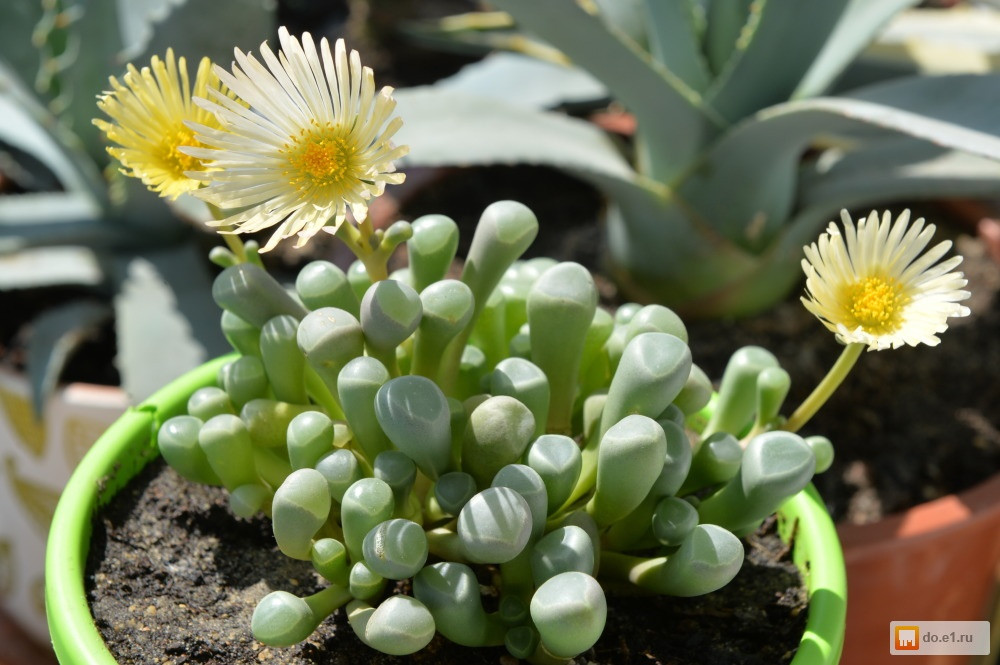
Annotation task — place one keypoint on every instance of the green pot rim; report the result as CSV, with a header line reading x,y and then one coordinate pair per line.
x,y
127,446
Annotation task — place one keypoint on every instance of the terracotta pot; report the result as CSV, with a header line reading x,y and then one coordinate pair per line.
x,y
127,447
935,562
37,457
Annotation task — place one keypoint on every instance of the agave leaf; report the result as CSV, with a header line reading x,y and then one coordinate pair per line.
x,y
858,25
16,49
674,40
166,322
30,268
478,33
448,128
32,129
724,21
780,40
896,169
522,80
93,40
647,88
192,28
627,16
757,163
28,220
55,334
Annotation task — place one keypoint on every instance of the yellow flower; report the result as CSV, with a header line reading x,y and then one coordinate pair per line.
x,y
149,109
313,143
876,286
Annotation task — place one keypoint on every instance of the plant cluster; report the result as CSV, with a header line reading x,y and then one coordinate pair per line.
x,y
498,426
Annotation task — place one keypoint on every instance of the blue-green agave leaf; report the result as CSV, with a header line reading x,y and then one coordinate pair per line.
x,y
16,49
446,128
166,321
521,80
860,22
31,128
757,163
675,40
55,334
773,51
192,28
47,266
724,21
896,168
649,90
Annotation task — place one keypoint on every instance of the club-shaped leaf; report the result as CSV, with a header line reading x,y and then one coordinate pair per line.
x,y
630,457
567,548
357,384
451,592
556,458
775,466
527,383
652,371
341,470
309,437
177,440
399,626
300,507
284,363
414,414
395,549
453,490
497,433
525,481
366,504
431,249
560,308
323,284
569,610
494,526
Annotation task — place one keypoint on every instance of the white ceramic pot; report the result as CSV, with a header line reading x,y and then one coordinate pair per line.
x,y
36,460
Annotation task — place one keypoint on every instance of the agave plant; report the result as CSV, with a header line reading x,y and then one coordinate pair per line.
x,y
740,151
132,256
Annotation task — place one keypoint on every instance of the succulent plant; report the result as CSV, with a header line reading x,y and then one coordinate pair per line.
x,y
432,429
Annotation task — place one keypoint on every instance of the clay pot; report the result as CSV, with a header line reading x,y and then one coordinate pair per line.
x,y
935,562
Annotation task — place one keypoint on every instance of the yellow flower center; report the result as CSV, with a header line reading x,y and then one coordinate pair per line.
x,y
875,303
319,157
176,161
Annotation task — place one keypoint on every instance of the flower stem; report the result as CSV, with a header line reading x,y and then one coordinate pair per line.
x,y
235,245
232,240
358,240
825,388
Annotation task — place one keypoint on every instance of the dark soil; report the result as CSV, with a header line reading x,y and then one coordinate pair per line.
x,y
173,578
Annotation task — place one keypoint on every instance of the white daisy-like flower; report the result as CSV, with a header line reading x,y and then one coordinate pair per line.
x,y
310,140
876,286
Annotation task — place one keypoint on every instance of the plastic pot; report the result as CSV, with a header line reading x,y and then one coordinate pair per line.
x,y
126,448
